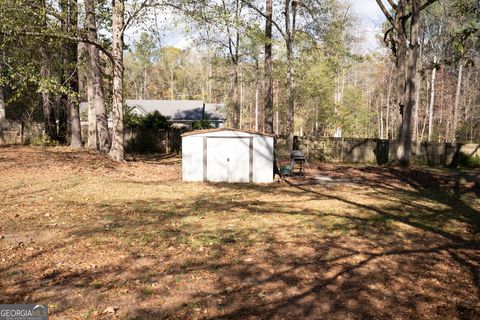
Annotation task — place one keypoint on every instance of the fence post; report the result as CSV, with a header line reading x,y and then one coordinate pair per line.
x,y
445,147
167,141
341,149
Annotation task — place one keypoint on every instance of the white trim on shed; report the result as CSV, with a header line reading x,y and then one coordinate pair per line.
x,y
227,155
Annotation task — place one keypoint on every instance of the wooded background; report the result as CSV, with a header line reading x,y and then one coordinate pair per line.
x,y
288,67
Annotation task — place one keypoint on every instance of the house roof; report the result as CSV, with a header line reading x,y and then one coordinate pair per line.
x,y
179,110
191,133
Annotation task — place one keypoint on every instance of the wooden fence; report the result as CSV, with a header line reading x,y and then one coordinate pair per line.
x,y
378,151
15,132
153,141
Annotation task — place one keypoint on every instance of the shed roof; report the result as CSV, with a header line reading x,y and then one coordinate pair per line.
x,y
192,133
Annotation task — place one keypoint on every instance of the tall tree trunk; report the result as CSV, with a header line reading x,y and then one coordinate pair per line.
x,y
73,104
417,102
236,98
401,57
268,81
425,118
64,74
443,122
257,92
276,97
241,96
172,84
457,101
2,89
145,88
47,105
290,34
381,117
45,73
62,118
117,152
96,74
389,92
416,111
92,142
2,103
405,141
2,92
432,100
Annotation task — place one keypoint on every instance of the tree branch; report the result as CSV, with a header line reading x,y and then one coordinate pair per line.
x,y
393,4
145,4
60,36
422,7
385,12
250,5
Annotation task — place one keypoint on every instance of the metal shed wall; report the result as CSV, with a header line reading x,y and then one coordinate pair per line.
x,y
227,156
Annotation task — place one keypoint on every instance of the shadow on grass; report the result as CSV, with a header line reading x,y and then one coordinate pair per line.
x,y
229,253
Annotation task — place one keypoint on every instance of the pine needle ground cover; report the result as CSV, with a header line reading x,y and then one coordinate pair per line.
x,y
96,239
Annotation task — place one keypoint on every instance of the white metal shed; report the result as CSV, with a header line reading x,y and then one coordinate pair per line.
x,y
227,155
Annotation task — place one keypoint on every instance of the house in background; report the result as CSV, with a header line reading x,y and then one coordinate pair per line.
x,y
183,112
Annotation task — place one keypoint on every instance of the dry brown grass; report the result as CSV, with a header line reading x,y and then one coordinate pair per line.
x,y
82,233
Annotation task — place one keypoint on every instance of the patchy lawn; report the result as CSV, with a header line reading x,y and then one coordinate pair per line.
x,y
83,234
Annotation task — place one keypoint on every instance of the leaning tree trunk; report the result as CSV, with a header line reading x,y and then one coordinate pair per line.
x,y
96,74
117,151
268,85
405,141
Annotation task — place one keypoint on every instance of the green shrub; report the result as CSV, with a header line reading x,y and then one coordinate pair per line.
x,y
464,160
201,124
151,121
42,140
155,121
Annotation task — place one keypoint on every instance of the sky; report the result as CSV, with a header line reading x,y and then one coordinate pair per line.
x,y
369,28
371,18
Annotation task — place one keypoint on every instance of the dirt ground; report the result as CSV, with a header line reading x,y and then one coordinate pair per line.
x,y
95,239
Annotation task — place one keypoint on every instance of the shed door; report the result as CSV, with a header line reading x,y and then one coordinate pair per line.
x,y
228,159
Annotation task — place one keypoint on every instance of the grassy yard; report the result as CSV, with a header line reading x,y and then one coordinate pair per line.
x,y
83,234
